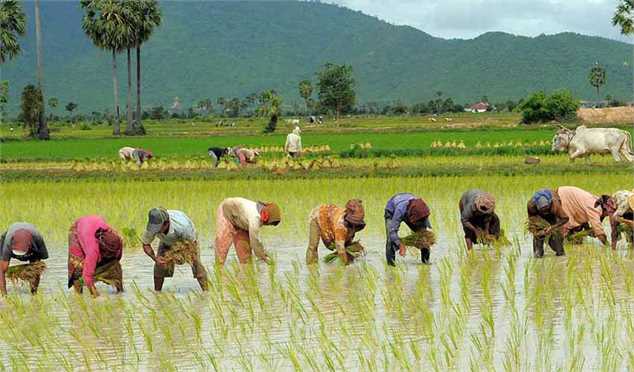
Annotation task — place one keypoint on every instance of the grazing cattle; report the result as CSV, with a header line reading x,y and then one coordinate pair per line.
x,y
295,122
585,141
125,153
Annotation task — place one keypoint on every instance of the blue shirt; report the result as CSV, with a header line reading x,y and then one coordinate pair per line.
x,y
396,213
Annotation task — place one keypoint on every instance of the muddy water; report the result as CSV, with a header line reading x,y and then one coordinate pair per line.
x,y
497,308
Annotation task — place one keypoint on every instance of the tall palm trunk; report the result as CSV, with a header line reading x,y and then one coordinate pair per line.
x,y
42,131
116,130
138,87
130,126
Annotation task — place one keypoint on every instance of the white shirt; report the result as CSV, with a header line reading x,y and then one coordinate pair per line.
x,y
293,143
181,228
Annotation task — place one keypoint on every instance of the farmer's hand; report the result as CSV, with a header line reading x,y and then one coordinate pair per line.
x,y
93,291
402,250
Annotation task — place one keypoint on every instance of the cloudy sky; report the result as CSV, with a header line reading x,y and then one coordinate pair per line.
x,y
470,18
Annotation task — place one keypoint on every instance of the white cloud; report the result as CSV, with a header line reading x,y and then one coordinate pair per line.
x,y
470,18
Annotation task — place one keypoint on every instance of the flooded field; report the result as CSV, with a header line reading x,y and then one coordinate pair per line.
x,y
497,308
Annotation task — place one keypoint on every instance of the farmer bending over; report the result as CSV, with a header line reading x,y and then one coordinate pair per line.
x,y
624,215
94,252
23,242
239,221
477,214
584,211
405,207
546,204
336,227
172,227
245,156
217,153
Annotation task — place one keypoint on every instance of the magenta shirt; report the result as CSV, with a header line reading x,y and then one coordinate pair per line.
x,y
88,248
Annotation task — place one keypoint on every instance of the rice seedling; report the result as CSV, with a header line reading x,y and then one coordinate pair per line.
x,y
28,273
480,311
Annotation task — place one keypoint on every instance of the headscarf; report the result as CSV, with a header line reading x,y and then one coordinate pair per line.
x,y
624,201
297,131
485,203
417,210
270,213
110,243
21,242
542,198
355,213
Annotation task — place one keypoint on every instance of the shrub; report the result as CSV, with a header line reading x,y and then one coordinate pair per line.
x,y
32,105
539,108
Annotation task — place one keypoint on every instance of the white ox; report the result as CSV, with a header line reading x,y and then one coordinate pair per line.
x,y
585,141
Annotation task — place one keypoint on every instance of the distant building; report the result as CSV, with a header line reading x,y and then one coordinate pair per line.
x,y
478,107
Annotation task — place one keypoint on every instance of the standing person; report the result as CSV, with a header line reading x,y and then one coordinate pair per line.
x,y
94,250
238,222
624,214
584,211
293,146
335,227
217,153
546,204
478,218
412,210
23,242
171,227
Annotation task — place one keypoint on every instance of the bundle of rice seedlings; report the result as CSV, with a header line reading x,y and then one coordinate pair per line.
x,y
354,251
491,240
577,237
536,225
181,253
109,273
27,272
421,239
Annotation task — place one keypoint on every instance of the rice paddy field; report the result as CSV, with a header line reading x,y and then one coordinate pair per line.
x,y
496,308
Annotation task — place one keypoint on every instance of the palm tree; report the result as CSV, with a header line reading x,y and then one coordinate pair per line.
x,y
147,16
624,19
42,132
12,25
109,24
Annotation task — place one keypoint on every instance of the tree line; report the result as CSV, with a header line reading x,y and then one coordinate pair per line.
x,y
113,25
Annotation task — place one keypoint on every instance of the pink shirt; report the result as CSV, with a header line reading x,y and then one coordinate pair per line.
x,y
578,205
88,249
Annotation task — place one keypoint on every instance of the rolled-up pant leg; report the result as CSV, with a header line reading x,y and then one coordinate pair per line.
x,y
214,159
538,246
224,237
494,226
390,247
314,234
242,244
556,243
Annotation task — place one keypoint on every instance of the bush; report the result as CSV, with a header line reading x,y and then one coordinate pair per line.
x,y
540,108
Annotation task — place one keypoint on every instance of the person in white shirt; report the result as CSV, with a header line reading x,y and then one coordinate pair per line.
x,y
170,227
293,144
238,222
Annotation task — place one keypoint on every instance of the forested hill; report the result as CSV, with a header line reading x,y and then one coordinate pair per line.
x,y
212,49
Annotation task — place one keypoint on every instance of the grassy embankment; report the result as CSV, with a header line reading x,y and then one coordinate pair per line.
x,y
405,146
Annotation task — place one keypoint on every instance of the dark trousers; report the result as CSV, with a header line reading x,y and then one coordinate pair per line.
x,y
555,241
391,248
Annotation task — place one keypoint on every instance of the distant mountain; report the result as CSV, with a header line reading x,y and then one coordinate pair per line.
x,y
212,49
